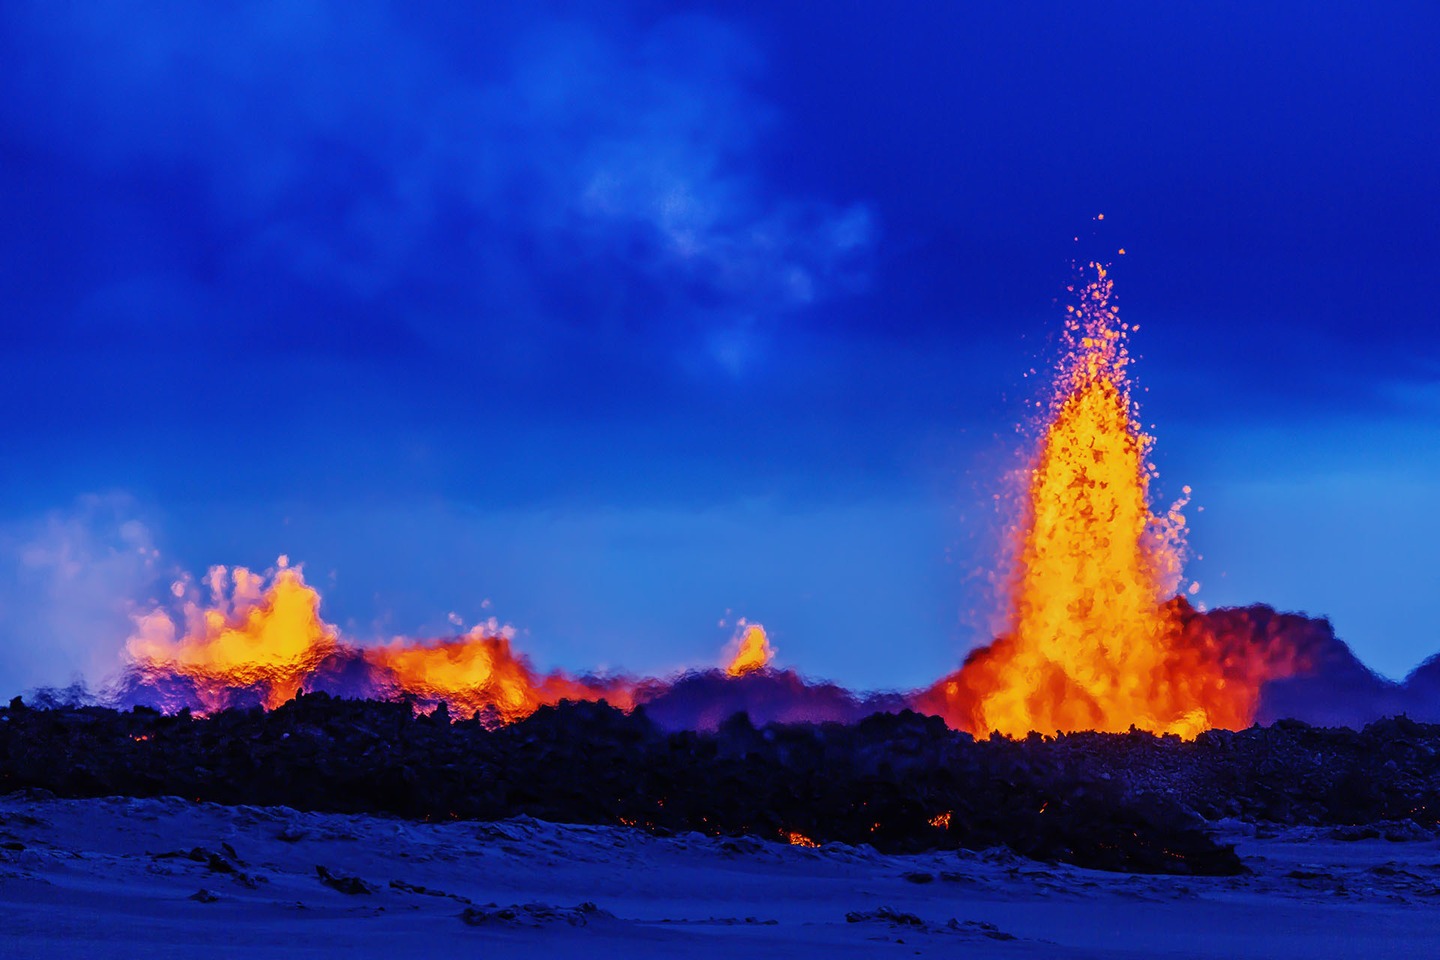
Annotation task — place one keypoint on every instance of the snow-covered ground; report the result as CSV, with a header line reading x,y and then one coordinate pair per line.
x,y
123,878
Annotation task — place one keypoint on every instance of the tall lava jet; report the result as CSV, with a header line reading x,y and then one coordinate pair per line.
x,y
1094,641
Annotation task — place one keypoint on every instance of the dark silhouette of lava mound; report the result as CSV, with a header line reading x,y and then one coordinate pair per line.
x,y
1422,691
702,701
1326,684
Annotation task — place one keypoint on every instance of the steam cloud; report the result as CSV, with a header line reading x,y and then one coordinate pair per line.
x,y
67,583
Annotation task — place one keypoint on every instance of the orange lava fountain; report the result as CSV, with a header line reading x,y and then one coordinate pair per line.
x,y
481,672
269,641
250,637
1093,643
752,651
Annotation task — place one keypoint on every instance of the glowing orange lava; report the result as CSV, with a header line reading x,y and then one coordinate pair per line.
x,y
270,640
250,636
1096,638
752,651
1093,643
480,672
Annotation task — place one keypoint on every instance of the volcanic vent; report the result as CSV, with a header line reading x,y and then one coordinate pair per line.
x,y
1094,641
1096,638
258,641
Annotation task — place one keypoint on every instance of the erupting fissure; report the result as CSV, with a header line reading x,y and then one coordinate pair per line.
x,y
251,636
1094,641
1096,638
259,643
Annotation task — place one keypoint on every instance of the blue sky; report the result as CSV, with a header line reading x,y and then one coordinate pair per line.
x,y
633,318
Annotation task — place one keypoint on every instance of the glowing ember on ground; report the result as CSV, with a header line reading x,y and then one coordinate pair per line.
x,y
752,651
799,840
1092,642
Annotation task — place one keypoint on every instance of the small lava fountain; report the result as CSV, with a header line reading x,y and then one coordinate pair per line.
x,y
260,640
252,636
752,651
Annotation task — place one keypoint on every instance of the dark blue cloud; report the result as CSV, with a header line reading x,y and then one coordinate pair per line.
x,y
344,179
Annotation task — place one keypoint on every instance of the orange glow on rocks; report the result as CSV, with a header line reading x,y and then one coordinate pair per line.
x,y
1092,643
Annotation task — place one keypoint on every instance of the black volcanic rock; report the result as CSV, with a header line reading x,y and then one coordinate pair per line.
x,y
901,782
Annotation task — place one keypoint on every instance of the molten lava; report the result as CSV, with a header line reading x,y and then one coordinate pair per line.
x,y
479,672
1092,642
752,651
266,642
1095,640
249,638
260,640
